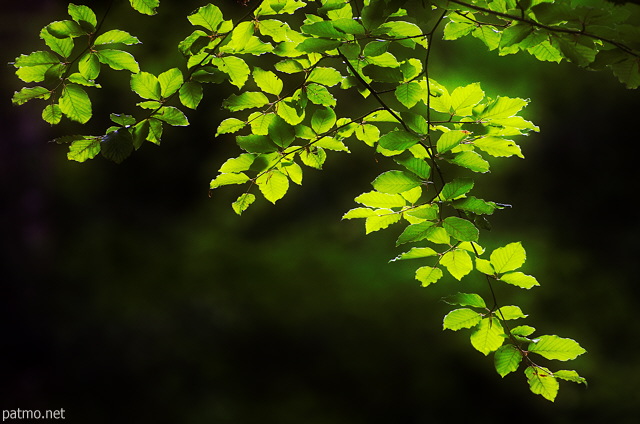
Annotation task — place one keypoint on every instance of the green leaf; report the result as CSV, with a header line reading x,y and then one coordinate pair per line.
x,y
75,103
122,119
420,167
29,93
510,312
464,98
84,148
498,147
228,179
458,263
208,17
236,68
554,347
542,382
449,140
273,185
323,120
82,14
465,299
117,145
141,132
256,143
379,222
472,161
246,100
395,182
116,36
455,30
147,7
460,229
89,66
281,132
428,275
52,114
569,375
64,29
61,46
519,279
191,94
398,140
244,201
461,318
267,81
325,76
170,82
409,94
230,125
317,45
314,157
628,72
508,258
376,199
503,107
488,336
319,95
172,116
456,188
146,85
118,60
507,359
359,213
523,330
415,253
415,232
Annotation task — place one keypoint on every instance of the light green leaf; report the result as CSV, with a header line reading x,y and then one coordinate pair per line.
x,y
456,188
314,157
172,116
472,161
508,258
554,347
409,94
273,185
376,199
83,13
246,100
227,179
29,93
523,330
503,107
458,263
323,120
488,336
267,81
510,312
569,375
191,94
395,182
484,266
464,98
64,29
116,36
420,167
359,213
331,143
75,103
244,201
325,76
455,30
89,66
520,279
415,232
52,114
61,46
281,132
319,95
428,275
118,60
146,85
507,359
465,299
170,82
542,382
317,45
449,140
146,7
415,253
460,229
83,149
379,222
254,143
236,68
461,318
498,147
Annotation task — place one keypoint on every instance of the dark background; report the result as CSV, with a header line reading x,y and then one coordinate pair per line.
x,y
129,295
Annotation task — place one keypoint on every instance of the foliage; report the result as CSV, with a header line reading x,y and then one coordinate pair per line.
x,y
288,115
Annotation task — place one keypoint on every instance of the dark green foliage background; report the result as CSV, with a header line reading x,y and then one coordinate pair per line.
x,y
133,297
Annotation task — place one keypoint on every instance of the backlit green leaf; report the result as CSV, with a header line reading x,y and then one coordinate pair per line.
x,y
246,100
29,93
554,347
519,279
75,103
465,299
395,182
461,318
507,359
456,188
172,116
542,382
488,336
428,275
398,140
191,94
170,81
146,85
379,222
458,263
147,7
118,60
243,202
83,149
460,229
416,253
227,179
508,258
376,199
323,120
273,185
116,36
234,67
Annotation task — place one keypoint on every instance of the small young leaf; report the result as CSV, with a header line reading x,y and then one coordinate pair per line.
x,y
314,157
190,94
510,312
146,85
273,185
456,188
428,275
75,103
416,253
29,93
376,199
84,148
172,116
449,140
398,140
569,375
52,114
170,81
267,81
227,179
246,100
472,161
465,299
519,279
460,229
147,7
243,202
379,222
118,60
116,36
323,120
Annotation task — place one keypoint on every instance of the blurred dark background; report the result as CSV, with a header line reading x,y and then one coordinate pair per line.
x,y
131,296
